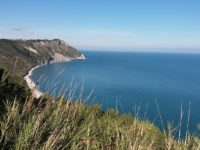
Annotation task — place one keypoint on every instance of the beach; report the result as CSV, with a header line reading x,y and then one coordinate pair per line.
x,y
32,85
35,92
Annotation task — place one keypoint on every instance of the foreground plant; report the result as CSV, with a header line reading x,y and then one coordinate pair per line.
x,y
59,124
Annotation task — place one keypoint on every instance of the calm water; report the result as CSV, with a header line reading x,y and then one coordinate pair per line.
x,y
132,82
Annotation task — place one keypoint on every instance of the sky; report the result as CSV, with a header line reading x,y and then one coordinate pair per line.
x,y
132,25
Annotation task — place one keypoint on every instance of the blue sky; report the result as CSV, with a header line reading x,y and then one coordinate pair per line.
x,y
157,25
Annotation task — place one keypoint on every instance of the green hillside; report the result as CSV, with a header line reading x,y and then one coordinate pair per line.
x,y
19,56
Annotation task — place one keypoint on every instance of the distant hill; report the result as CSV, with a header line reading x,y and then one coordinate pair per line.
x,y
19,56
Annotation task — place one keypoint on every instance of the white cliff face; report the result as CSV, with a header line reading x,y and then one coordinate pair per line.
x,y
81,57
31,49
59,58
42,43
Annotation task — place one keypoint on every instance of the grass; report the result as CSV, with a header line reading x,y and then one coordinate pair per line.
x,y
63,124
49,124
60,124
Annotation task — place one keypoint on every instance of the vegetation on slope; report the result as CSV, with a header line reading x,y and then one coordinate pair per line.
x,y
11,89
47,123
19,56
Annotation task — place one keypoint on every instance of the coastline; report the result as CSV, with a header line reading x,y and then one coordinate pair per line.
x,y
32,85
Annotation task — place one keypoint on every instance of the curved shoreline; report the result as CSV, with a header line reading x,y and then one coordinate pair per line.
x,y
32,85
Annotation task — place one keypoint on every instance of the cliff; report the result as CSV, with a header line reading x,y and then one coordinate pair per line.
x,y
19,56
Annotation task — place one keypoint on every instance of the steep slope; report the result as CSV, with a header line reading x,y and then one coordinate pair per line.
x,y
19,56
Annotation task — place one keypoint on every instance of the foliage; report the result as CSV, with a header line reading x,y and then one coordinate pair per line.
x,y
10,89
64,124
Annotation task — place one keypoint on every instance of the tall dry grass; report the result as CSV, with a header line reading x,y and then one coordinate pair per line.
x,y
59,124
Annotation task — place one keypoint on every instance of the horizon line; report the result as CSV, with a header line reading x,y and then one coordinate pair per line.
x,y
145,50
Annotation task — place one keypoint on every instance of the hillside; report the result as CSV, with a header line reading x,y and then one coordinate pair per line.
x,y
19,56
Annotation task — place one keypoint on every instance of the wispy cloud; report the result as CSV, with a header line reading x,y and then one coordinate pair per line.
x,y
20,32
17,29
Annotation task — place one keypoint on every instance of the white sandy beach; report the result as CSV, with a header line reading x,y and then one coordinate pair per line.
x,y
35,92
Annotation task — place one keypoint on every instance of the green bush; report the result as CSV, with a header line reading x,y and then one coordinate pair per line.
x,y
10,89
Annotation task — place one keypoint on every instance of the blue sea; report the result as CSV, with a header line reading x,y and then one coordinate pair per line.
x,y
143,84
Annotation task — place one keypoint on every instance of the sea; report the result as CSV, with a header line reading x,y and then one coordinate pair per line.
x,y
162,88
